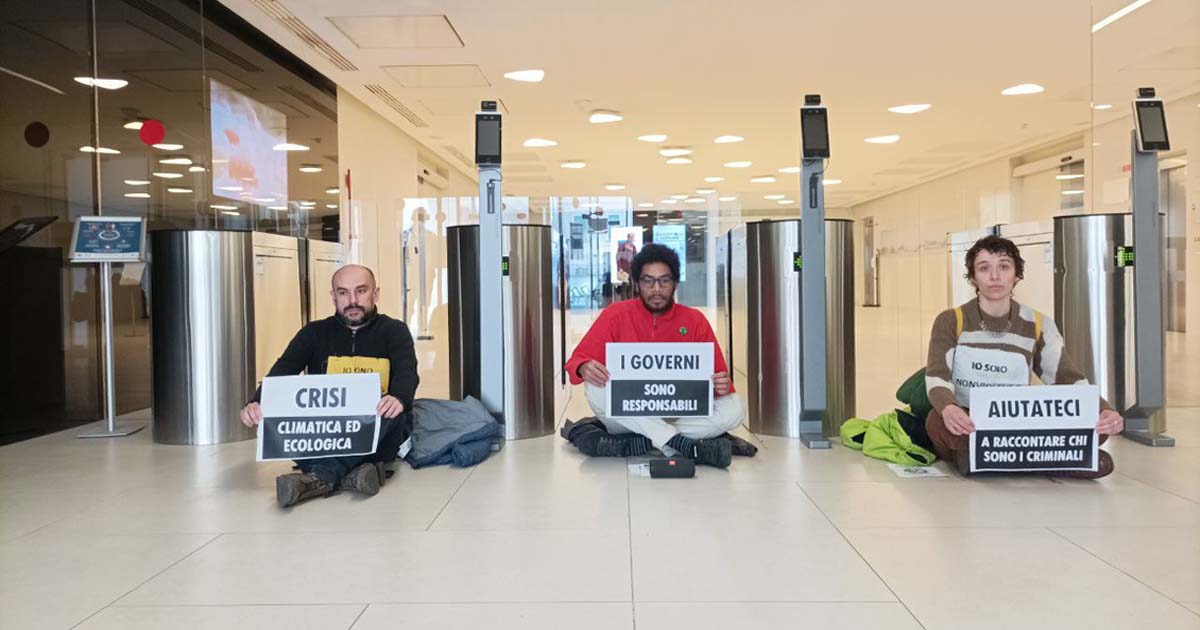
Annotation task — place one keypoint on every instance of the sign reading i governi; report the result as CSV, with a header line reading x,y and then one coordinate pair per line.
x,y
1034,428
325,415
659,380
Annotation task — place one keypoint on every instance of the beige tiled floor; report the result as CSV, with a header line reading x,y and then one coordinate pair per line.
x,y
129,534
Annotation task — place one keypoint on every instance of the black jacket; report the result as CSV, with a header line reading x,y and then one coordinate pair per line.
x,y
382,338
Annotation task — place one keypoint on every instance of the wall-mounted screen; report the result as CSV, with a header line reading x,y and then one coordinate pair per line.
x,y
245,164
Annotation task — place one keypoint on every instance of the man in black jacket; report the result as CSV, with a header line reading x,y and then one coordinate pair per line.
x,y
356,339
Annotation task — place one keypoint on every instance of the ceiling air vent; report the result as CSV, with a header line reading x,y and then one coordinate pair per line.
x,y
394,103
292,23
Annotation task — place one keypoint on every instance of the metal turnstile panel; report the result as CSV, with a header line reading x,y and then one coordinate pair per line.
x,y
324,258
738,324
529,362
202,334
771,338
277,305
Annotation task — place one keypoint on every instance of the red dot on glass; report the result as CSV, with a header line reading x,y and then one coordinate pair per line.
x,y
152,132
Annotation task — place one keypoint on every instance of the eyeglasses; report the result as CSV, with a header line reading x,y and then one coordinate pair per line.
x,y
648,282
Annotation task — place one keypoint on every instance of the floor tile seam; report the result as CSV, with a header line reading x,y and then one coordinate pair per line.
x,y
629,539
1120,570
1156,487
360,615
238,605
147,580
380,602
856,602
464,481
863,558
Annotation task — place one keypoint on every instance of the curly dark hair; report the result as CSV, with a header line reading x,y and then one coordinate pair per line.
x,y
654,253
995,245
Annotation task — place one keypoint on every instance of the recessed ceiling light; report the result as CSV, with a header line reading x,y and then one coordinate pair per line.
x,y
179,191
679,196
222,207
653,137
168,175
1072,192
1119,13
307,203
599,116
679,160
713,180
669,201
134,125
332,191
231,213
573,164
694,200
536,143
1024,88
1069,176
645,204
289,146
230,188
1102,106
137,182
104,150
264,199
167,146
331,206
774,197
138,195
728,198
790,169
107,84
674,151
308,168
909,109
727,139
883,139
614,186
526,76
176,160
763,179
784,202
831,182
705,191
738,164
196,169
276,207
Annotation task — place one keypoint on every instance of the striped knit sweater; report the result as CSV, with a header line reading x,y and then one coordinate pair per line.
x,y
994,351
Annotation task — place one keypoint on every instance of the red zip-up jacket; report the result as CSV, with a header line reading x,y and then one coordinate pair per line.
x,y
628,321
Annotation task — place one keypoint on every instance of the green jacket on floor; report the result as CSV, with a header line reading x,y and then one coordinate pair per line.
x,y
883,438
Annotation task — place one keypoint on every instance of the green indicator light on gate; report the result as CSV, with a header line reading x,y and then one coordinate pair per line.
x,y
1124,256
797,262
504,266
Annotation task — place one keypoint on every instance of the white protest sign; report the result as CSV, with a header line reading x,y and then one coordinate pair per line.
x,y
659,380
325,415
1034,428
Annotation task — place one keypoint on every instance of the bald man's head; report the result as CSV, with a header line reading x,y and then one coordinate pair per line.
x,y
354,294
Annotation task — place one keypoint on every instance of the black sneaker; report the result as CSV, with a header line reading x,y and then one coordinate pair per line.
x,y
741,448
293,488
716,452
363,479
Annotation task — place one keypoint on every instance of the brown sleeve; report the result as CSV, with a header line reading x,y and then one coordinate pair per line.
x,y
943,339
1053,363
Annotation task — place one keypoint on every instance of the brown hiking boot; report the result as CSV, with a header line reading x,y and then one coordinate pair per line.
x,y
364,479
382,468
293,488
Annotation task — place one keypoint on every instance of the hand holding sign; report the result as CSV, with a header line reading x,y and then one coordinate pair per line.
x,y
594,373
721,383
1111,423
957,421
389,407
252,414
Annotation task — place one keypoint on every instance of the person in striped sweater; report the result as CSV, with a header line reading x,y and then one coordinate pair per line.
x,y
994,341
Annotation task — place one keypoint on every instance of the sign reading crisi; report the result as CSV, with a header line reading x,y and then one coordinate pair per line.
x,y
326,415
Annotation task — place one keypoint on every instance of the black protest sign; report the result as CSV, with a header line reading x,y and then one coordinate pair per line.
x,y
329,415
1034,428
659,380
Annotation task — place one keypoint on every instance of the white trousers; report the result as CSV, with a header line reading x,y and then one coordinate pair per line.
x,y
728,412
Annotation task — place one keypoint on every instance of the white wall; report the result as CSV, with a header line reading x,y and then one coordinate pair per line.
x,y
383,165
911,227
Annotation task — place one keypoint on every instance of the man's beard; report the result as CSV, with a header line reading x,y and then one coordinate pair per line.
x,y
368,315
666,306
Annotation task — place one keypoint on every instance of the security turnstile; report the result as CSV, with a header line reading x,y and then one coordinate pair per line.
x,y
760,310
529,365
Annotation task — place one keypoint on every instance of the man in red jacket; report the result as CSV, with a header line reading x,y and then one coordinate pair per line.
x,y
654,316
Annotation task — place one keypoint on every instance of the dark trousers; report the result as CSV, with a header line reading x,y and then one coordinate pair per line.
x,y
956,450
392,434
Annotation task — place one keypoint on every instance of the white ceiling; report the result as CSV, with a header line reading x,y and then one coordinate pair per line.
x,y
698,69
